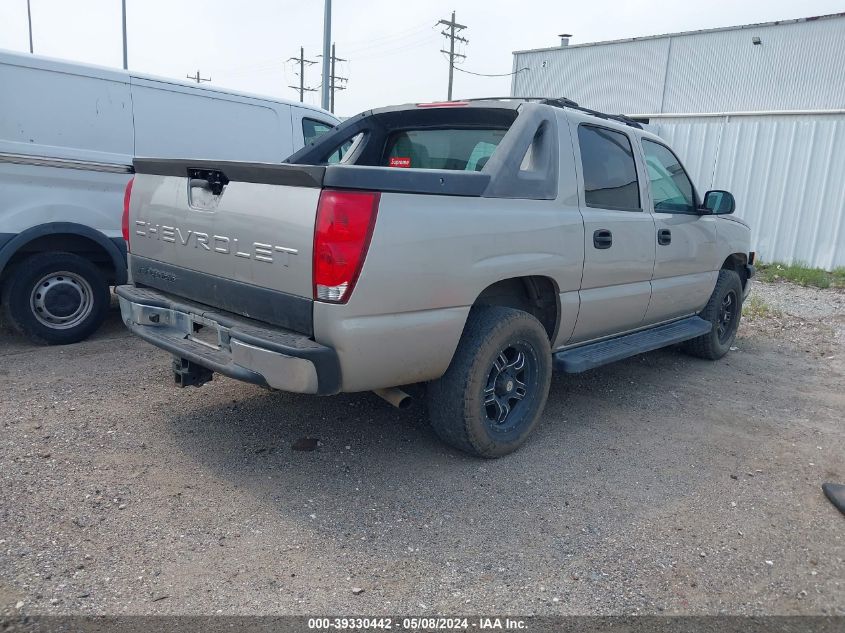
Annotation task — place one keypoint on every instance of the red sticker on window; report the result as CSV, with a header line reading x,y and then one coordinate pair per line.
x,y
400,161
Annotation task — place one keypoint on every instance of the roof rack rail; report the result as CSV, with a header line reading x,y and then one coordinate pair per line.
x,y
563,102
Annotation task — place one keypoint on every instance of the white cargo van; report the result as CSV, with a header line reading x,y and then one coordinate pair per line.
x,y
68,133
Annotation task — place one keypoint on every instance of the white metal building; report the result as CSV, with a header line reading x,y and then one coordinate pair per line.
x,y
758,110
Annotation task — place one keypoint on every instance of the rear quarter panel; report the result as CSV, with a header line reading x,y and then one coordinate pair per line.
x,y
429,259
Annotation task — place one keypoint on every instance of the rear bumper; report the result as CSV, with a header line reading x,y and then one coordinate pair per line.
x,y
244,350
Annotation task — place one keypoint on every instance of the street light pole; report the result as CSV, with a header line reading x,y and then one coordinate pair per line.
x,y
29,21
125,57
327,51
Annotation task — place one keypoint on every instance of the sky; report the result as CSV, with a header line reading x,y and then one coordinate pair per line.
x,y
392,47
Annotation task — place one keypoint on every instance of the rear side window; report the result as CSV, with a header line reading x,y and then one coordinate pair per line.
x,y
312,128
610,173
340,152
456,149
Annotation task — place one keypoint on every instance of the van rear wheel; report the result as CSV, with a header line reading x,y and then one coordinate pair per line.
x,y
56,298
491,397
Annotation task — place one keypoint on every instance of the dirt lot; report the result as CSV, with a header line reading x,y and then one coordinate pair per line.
x,y
662,484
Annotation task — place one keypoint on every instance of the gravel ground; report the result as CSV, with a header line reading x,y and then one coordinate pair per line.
x,y
660,484
808,303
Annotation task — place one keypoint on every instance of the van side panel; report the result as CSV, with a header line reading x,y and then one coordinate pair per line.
x,y
50,111
66,147
173,121
34,195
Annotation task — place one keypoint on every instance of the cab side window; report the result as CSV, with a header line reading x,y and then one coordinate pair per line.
x,y
610,172
671,188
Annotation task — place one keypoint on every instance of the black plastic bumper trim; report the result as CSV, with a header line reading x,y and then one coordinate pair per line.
x,y
269,306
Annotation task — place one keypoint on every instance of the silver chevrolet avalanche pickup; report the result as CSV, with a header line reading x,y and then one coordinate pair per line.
x,y
473,247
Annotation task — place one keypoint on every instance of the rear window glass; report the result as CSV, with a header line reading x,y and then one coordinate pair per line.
x,y
456,149
610,173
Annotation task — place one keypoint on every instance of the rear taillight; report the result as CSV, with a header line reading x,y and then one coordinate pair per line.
x,y
124,224
345,222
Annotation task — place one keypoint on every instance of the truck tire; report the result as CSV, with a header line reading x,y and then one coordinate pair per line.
x,y
491,396
56,298
723,310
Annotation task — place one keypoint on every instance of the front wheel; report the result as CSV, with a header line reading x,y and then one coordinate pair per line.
x,y
56,298
723,310
492,395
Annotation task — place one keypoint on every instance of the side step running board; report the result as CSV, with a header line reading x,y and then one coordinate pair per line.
x,y
594,355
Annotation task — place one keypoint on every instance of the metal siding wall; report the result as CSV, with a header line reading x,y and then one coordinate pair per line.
x,y
796,67
785,171
624,77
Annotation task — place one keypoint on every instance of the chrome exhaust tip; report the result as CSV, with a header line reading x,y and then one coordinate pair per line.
x,y
395,396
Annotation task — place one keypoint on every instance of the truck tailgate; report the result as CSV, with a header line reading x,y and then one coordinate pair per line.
x,y
236,236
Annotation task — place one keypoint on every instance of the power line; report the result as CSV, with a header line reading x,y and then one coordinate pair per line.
x,y
302,61
450,34
402,47
400,42
411,38
198,78
469,72
248,68
387,40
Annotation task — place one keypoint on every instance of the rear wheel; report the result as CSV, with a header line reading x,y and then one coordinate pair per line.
x,y
56,298
492,395
723,310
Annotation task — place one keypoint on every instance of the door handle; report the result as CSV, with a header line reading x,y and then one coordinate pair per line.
x,y
602,239
664,237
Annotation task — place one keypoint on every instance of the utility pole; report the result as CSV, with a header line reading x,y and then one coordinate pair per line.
x,y
327,38
125,57
197,77
451,34
334,80
302,61
334,85
29,21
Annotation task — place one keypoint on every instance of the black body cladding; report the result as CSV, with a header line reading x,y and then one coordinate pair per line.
x,y
271,306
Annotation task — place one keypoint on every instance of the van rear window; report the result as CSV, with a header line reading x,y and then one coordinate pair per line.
x,y
456,149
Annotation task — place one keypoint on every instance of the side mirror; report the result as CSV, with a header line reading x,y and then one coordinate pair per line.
x,y
718,202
